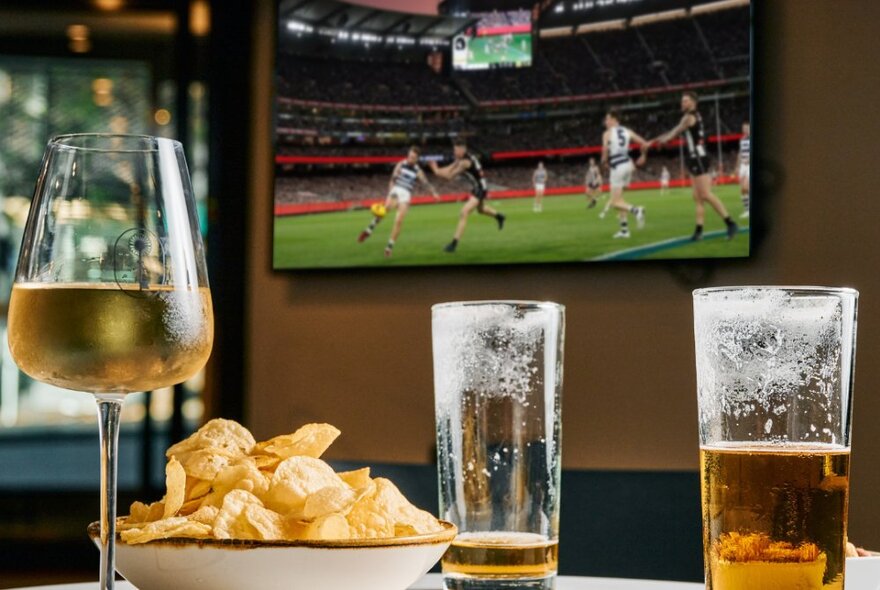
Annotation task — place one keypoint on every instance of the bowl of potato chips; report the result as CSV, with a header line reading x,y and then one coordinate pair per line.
x,y
238,513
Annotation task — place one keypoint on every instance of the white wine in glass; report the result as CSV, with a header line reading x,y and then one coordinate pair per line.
x,y
111,292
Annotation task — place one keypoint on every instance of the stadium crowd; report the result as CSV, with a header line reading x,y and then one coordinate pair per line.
x,y
365,136
356,82
506,18
706,47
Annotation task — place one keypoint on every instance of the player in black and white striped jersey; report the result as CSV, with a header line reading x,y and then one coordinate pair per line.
x,y
742,166
400,188
467,166
691,129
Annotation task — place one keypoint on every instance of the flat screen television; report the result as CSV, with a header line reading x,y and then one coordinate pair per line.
x,y
572,131
498,40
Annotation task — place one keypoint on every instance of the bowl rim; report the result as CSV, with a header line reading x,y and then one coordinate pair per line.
x,y
447,535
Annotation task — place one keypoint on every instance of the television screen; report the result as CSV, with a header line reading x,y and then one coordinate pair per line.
x,y
627,138
499,39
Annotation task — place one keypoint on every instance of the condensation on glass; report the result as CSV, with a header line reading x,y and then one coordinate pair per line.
x,y
774,384
498,384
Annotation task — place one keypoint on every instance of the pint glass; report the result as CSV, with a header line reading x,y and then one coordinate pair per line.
x,y
774,382
498,381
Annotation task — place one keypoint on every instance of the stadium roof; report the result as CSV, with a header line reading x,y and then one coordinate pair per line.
x,y
561,13
333,14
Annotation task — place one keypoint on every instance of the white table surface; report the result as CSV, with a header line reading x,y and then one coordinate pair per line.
x,y
432,582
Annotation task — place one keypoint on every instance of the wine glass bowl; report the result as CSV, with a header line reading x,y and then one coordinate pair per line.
x,y
111,291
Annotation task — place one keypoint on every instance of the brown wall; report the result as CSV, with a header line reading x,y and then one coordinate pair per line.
x,y
353,348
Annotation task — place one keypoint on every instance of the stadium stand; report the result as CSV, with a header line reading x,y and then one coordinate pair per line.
x,y
358,82
366,136
702,48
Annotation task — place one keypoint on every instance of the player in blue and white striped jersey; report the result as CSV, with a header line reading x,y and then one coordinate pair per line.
x,y
743,160
615,154
539,180
400,188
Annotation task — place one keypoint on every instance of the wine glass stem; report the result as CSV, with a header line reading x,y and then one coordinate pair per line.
x,y
109,406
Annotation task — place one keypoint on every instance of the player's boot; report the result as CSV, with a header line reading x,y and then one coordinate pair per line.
x,y
623,233
744,214
450,247
500,219
732,230
387,252
364,235
640,217
698,236
592,203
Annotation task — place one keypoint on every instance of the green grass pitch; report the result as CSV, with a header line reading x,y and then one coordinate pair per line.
x,y
565,231
519,50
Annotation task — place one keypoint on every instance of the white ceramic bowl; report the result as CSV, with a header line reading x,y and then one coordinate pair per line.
x,y
369,564
863,573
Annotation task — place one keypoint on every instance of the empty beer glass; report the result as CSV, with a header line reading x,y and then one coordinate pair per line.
x,y
498,381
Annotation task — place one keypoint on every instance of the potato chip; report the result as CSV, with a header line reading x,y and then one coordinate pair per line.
x,y
205,515
140,512
243,516
310,440
294,480
269,525
295,530
230,522
329,527
243,475
175,487
329,500
177,526
217,433
220,483
359,478
380,513
196,488
190,506
207,463
266,462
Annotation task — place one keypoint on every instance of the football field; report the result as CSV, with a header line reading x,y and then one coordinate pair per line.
x,y
490,49
566,231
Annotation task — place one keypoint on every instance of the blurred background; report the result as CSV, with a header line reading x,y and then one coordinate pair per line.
x,y
353,347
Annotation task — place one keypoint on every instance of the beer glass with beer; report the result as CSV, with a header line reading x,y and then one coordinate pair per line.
x,y
498,384
111,291
774,381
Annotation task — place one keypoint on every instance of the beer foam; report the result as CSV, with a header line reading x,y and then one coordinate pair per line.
x,y
766,354
492,349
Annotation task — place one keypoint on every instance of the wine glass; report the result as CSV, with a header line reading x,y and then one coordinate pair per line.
x,y
111,292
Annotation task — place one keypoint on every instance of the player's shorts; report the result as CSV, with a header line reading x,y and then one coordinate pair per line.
x,y
699,165
402,195
593,186
539,188
479,193
621,175
664,182
744,172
